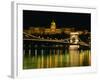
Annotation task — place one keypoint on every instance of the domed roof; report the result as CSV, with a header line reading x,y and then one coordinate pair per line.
x,y
53,22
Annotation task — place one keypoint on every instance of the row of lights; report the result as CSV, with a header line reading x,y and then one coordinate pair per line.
x,y
49,38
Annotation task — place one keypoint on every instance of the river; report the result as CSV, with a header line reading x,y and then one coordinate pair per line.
x,y
56,58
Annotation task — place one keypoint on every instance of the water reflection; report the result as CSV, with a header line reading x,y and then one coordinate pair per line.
x,y
50,58
74,57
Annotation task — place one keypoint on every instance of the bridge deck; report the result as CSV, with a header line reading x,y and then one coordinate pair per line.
x,y
56,41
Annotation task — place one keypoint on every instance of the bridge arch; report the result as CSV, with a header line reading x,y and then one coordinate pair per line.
x,y
74,37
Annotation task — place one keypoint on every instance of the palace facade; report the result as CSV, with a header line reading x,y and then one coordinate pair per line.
x,y
51,30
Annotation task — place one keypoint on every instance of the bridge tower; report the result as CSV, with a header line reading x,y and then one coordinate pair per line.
x,y
74,39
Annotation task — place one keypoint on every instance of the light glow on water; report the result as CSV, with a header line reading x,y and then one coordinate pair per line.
x,y
57,58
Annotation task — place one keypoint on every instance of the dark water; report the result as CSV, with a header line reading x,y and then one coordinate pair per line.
x,y
54,58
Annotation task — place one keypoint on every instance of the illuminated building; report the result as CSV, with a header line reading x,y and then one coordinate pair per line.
x,y
52,30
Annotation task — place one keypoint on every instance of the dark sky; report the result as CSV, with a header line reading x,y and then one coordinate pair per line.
x,y
62,19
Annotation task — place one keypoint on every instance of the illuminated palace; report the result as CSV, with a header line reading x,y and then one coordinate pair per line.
x,y
52,30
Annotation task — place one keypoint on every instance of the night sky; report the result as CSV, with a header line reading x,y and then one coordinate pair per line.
x,y
63,19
